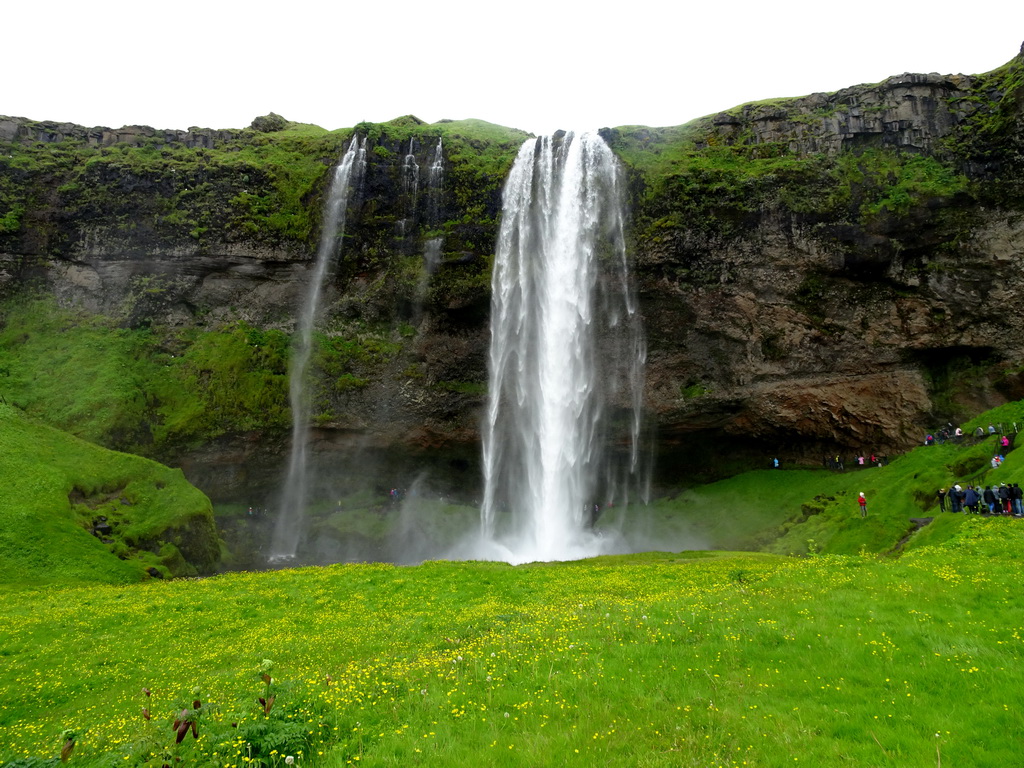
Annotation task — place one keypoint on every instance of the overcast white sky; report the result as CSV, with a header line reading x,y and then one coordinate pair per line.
x,y
539,65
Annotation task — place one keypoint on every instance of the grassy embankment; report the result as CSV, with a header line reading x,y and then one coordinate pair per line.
x,y
57,487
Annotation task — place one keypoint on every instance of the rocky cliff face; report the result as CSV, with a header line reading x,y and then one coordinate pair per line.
x,y
910,111
851,321
833,273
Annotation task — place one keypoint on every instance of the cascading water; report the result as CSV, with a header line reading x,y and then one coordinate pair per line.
x,y
435,176
411,173
566,358
432,247
410,186
291,518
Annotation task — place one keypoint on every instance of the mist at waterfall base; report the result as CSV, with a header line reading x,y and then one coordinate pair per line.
x,y
564,471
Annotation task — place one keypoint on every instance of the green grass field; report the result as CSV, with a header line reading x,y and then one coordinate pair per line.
x,y
674,660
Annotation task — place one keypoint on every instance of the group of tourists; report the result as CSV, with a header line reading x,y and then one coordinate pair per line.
x,y
949,433
858,462
1003,499
1003,444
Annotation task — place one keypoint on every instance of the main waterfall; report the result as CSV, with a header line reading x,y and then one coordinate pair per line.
x,y
561,437
291,518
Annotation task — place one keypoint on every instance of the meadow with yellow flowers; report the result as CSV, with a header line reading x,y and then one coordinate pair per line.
x,y
691,659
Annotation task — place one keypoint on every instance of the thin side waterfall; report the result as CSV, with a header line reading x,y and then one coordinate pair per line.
x,y
561,438
410,186
291,519
432,247
435,177
411,173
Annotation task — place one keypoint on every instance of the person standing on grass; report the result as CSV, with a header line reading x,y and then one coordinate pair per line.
x,y
942,499
989,497
1004,499
955,499
863,505
971,499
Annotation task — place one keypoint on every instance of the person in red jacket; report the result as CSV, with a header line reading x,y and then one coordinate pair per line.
x,y
863,505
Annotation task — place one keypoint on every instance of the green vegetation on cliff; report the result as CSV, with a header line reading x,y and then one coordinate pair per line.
x,y
990,140
251,185
682,180
718,178
140,389
158,389
166,199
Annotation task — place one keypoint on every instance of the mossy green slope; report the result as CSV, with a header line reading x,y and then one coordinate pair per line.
x,y
807,511
140,389
56,486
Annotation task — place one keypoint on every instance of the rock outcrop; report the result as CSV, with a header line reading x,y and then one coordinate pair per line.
x,y
21,130
909,111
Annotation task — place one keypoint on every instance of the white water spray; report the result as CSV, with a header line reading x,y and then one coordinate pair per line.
x,y
567,355
291,519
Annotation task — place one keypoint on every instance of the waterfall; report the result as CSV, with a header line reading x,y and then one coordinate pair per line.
x,y
411,173
432,247
566,358
291,518
435,176
410,186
